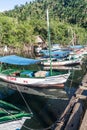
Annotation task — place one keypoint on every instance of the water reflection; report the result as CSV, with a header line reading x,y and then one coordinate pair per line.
x,y
46,110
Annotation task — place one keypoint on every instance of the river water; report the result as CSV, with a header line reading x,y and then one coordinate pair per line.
x,y
46,110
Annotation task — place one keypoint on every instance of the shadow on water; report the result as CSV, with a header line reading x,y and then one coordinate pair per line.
x,y
5,91
45,110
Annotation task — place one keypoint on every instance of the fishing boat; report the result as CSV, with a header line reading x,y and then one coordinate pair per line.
x,y
78,67
11,116
57,61
62,62
59,54
29,78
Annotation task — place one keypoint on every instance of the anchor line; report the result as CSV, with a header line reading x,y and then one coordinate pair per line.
x,y
24,100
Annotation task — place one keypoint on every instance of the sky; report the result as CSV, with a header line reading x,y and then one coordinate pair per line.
x,y
10,4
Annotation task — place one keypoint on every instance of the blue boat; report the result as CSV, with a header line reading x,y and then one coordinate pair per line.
x,y
76,47
56,54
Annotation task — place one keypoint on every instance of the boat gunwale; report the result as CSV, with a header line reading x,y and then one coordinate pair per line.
x,y
15,71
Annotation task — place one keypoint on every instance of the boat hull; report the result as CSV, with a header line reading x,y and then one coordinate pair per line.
x,y
51,92
36,82
61,63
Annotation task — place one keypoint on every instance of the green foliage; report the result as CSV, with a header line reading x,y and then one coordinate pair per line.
x,y
14,33
20,25
7,30
24,32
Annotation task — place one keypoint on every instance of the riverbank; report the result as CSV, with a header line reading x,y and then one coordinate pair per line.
x,y
25,50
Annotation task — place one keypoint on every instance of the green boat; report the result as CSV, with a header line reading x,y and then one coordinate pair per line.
x,y
9,112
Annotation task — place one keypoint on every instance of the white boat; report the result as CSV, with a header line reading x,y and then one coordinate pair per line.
x,y
28,77
63,67
62,62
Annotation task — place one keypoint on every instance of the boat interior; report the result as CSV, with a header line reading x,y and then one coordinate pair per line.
x,y
29,73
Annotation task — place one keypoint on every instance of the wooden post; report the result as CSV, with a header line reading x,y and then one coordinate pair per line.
x,y
84,122
74,120
81,96
60,124
71,117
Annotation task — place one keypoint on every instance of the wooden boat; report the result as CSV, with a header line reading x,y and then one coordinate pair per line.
x,y
9,112
65,62
55,53
80,52
78,67
28,77
12,117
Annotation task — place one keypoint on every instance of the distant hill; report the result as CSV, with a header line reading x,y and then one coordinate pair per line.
x,y
68,22
71,11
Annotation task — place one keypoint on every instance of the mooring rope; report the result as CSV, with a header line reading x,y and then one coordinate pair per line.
x,y
24,100
48,128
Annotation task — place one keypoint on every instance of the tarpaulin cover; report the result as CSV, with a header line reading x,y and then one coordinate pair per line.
x,y
17,60
76,47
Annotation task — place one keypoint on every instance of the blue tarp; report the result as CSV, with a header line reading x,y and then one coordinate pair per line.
x,y
76,47
17,60
59,53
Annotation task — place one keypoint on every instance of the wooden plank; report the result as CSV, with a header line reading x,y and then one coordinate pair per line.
x,y
66,114
74,120
84,81
60,124
84,122
81,96
83,88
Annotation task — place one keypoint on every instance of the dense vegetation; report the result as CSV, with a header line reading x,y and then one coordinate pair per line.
x,y
68,20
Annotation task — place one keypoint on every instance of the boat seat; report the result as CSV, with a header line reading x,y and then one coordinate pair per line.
x,y
27,73
42,73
